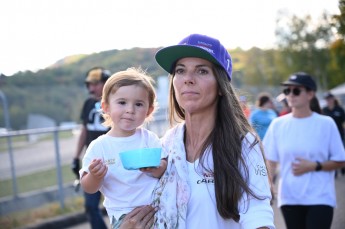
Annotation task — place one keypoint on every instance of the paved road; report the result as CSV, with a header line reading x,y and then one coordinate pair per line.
x,y
32,157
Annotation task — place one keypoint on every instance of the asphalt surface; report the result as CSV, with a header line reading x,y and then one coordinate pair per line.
x,y
37,156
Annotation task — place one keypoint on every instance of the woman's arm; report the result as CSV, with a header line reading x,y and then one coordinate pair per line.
x,y
272,170
302,166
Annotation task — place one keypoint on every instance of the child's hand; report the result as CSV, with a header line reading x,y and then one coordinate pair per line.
x,y
150,171
98,169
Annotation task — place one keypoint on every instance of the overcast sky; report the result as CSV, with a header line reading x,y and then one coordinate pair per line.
x,y
37,33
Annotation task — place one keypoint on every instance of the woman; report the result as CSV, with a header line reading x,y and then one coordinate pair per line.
x,y
308,148
216,175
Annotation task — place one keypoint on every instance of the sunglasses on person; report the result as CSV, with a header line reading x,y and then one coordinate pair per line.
x,y
295,91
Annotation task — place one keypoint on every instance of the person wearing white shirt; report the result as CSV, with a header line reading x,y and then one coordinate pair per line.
x,y
308,148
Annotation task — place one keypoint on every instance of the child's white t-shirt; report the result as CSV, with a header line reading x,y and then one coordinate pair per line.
x,y
314,138
123,189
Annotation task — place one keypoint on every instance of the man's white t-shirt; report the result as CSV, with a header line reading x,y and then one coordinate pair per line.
x,y
123,189
314,138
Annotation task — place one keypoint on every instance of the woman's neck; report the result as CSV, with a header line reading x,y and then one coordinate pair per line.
x,y
301,112
197,131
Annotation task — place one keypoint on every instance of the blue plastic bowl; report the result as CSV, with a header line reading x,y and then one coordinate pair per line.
x,y
141,158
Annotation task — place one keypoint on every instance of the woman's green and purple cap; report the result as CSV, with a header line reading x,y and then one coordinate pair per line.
x,y
195,45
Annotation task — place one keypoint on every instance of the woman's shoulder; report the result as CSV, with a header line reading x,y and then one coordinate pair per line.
x,y
251,147
323,119
250,137
249,141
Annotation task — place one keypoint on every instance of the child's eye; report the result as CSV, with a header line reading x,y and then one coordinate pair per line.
x,y
122,102
139,104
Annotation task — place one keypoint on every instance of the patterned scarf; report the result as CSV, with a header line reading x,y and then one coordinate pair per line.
x,y
171,194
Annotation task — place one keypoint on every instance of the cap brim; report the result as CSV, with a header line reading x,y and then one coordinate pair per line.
x,y
166,57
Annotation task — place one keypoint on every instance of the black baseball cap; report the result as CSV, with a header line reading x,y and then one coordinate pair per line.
x,y
328,95
301,79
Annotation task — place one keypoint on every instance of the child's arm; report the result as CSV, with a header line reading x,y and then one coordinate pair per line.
x,y
91,182
156,171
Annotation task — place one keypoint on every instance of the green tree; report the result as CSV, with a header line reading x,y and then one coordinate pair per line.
x,y
336,66
339,20
304,44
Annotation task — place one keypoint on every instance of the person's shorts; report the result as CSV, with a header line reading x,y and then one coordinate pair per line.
x,y
115,224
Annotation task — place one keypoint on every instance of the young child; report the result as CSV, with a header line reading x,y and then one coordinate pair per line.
x,y
128,101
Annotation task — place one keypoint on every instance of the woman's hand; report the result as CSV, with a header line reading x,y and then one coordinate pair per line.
x,y
301,166
139,218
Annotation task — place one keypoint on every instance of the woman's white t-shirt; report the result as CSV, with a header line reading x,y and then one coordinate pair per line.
x,y
202,209
314,138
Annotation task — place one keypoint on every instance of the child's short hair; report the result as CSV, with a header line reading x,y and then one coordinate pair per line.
x,y
131,76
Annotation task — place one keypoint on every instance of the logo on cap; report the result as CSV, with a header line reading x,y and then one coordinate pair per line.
x,y
293,77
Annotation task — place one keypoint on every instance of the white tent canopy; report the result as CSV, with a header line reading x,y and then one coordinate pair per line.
x,y
338,90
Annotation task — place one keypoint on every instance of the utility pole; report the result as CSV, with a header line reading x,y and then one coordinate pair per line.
x,y
5,108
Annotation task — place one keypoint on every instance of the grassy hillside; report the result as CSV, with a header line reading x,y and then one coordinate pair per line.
x,y
58,91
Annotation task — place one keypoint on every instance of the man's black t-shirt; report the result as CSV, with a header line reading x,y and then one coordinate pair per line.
x,y
92,120
338,115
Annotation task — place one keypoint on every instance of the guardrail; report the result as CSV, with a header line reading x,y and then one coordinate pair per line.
x,y
55,131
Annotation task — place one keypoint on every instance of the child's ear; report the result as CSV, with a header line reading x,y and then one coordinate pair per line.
x,y
150,111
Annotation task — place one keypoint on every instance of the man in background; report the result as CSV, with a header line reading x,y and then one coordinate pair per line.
x,y
335,111
91,129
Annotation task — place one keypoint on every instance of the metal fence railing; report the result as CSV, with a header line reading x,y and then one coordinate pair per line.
x,y
9,135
